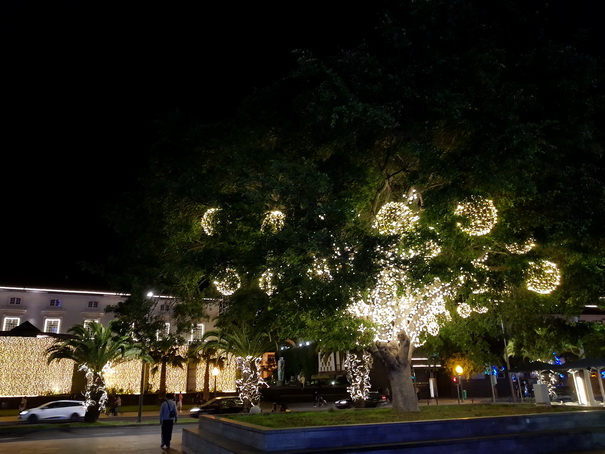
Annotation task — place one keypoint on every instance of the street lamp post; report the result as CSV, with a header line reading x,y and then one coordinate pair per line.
x,y
459,371
215,373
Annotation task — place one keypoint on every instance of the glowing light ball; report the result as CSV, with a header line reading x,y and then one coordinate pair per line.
x,y
274,221
543,277
395,218
210,221
227,282
480,215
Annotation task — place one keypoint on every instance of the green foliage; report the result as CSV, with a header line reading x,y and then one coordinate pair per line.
x,y
443,100
94,346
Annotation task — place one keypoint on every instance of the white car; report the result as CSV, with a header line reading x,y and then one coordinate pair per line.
x,y
58,410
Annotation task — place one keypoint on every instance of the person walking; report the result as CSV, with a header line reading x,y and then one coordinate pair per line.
x,y
179,402
23,404
116,405
168,416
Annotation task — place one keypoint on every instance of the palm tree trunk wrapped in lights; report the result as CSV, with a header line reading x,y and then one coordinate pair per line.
x,y
248,348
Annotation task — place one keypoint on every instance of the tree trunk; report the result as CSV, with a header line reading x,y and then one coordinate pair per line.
x,y
96,397
206,394
397,358
162,389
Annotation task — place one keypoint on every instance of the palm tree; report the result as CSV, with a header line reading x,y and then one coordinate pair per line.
x,y
248,347
211,354
165,352
93,347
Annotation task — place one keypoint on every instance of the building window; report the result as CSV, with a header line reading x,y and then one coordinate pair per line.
x,y
10,323
51,325
165,307
15,301
55,303
88,322
93,304
197,332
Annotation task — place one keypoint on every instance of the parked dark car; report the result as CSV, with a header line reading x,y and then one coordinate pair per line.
x,y
58,410
374,399
218,405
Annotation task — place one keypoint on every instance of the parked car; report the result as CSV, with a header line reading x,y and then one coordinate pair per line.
x,y
218,405
57,410
374,399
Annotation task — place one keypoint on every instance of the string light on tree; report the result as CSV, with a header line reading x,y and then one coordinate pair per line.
x,y
395,218
464,310
543,277
251,380
357,367
227,282
320,270
521,248
273,222
210,221
480,216
265,282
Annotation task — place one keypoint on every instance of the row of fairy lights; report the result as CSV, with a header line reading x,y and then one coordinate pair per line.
x,y
419,309
25,372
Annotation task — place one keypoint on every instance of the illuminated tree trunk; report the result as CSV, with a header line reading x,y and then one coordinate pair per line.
x,y
357,366
96,396
396,356
248,386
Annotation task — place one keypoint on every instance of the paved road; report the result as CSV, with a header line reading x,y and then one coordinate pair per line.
x,y
129,438
118,439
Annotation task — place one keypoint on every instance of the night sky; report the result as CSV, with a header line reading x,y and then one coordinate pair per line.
x,y
83,83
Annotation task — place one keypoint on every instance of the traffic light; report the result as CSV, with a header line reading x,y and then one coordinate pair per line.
x,y
455,379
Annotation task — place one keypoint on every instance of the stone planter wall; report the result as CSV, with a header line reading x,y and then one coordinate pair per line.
x,y
540,433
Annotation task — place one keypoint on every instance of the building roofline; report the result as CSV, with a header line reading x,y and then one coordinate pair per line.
x,y
51,290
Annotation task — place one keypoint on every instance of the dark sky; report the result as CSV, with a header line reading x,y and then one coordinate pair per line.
x,y
82,85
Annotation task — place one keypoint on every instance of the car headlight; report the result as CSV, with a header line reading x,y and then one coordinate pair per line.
x,y
24,412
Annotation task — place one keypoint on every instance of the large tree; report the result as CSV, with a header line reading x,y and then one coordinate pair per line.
x,y
451,166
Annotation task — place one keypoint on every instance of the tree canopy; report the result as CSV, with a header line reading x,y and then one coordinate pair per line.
x,y
450,166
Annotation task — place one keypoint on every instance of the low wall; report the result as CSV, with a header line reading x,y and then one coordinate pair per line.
x,y
561,432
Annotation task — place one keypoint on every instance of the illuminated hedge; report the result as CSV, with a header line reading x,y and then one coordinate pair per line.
x,y
25,372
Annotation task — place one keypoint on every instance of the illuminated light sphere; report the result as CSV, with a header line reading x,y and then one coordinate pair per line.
x,y
273,222
210,221
395,218
227,282
464,310
543,277
522,248
265,282
480,213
